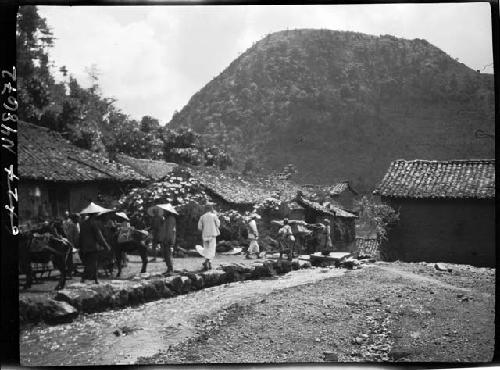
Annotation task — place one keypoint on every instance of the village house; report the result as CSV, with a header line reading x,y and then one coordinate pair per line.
x,y
275,200
343,195
342,222
56,176
446,211
154,170
340,193
241,193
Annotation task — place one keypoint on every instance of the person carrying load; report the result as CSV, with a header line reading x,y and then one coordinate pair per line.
x,y
286,239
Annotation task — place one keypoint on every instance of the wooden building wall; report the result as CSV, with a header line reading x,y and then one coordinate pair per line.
x,y
455,231
60,197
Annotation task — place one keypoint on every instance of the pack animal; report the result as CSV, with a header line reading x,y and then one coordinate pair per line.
x,y
44,245
136,243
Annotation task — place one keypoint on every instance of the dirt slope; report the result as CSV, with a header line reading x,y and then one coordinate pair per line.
x,y
397,312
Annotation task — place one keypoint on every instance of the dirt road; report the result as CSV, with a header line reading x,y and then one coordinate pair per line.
x,y
389,312
384,312
121,337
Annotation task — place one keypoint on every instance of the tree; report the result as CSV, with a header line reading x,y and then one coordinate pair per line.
x,y
149,124
379,216
33,39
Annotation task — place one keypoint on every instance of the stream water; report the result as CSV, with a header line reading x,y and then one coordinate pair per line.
x,y
122,336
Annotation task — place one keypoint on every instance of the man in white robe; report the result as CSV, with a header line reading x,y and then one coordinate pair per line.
x,y
209,225
253,236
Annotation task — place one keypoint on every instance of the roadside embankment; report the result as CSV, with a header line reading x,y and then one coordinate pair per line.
x,y
79,298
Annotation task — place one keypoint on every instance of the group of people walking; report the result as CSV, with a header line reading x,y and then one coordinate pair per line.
x,y
90,232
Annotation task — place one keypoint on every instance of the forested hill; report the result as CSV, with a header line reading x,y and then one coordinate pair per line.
x,y
343,105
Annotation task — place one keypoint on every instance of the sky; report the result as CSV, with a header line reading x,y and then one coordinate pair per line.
x,y
152,59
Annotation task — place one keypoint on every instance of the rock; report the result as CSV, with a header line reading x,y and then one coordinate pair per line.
x,y
460,295
397,354
29,310
238,271
196,281
441,267
186,284
159,286
358,340
145,275
214,277
58,312
303,264
263,269
178,284
104,293
330,357
85,300
283,266
136,294
350,263
150,293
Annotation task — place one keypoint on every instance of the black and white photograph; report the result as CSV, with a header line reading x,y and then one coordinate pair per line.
x,y
252,184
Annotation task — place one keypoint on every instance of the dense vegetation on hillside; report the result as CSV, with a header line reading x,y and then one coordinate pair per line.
x,y
343,105
87,118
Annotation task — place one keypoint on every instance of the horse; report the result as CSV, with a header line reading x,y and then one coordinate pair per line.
x,y
44,245
135,244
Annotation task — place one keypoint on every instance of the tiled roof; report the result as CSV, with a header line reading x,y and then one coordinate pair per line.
x,y
340,187
152,169
45,155
474,178
324,190
327,208
244,190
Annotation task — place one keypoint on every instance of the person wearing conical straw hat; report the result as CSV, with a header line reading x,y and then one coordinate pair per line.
x,y
91,241
209,225
168,235
123,233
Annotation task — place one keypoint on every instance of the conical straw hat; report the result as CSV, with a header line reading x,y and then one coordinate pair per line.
x,y
162,208
94,208
122,215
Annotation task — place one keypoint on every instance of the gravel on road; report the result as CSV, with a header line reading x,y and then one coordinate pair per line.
x,y
384,312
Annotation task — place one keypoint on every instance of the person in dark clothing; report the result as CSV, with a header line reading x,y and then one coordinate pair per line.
x,y
90,243
167,237
156,226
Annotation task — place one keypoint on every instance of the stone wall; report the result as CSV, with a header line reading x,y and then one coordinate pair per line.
x,y
115,294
